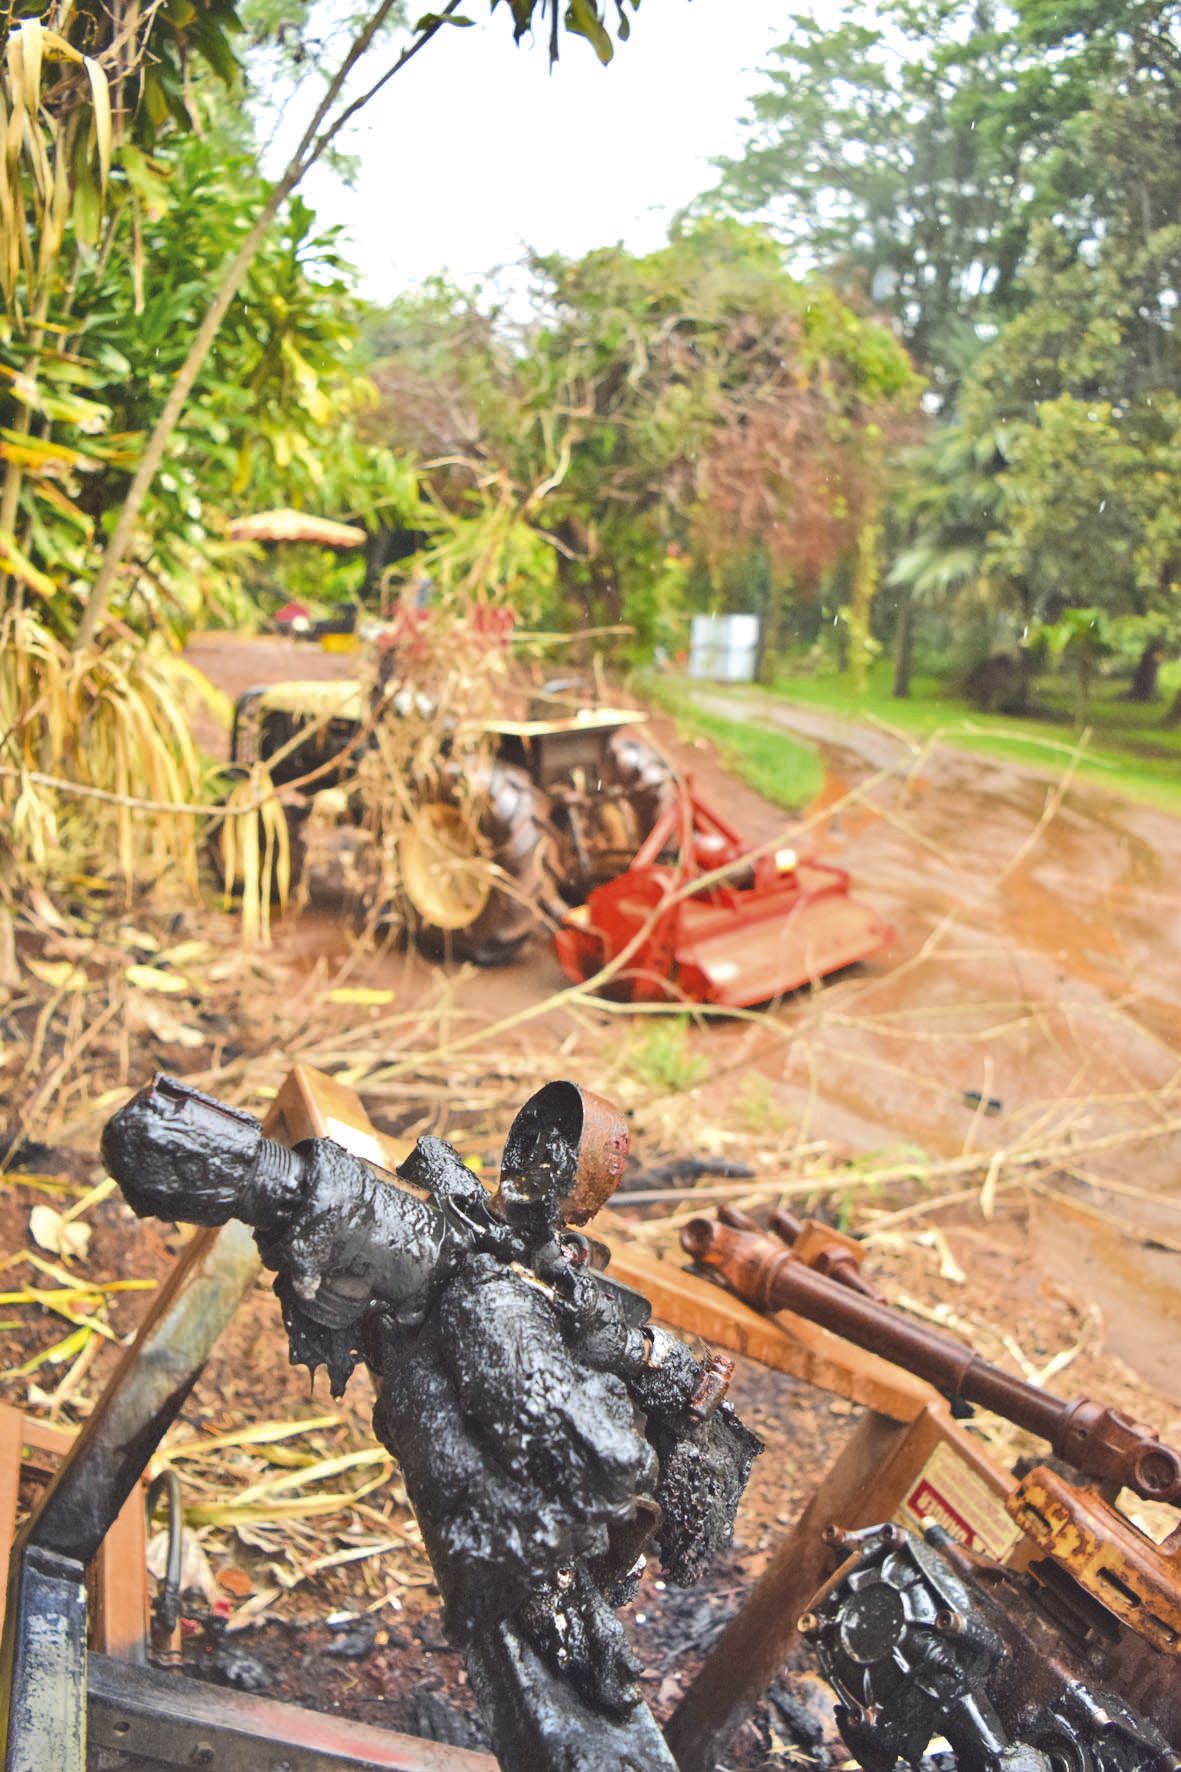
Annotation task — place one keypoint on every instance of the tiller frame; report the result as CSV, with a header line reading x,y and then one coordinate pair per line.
x,y
723,923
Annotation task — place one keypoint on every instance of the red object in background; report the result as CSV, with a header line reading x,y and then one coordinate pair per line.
x,y
405,633
773,922
494,622
290,614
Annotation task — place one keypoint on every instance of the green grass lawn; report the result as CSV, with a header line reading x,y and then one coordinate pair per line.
x,y
1128,749
782,769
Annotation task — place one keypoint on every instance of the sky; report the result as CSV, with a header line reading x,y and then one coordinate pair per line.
x,y
476,151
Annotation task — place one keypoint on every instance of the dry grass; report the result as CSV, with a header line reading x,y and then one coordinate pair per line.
x,y
111,720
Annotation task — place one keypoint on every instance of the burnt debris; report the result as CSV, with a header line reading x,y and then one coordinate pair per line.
x,y
546,1431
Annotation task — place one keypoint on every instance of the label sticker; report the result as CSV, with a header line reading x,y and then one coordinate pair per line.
x,y
947,1492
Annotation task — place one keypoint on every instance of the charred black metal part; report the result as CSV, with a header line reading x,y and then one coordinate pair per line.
x,y
524,1703
142,1720
545,1431
921,1639
166,1605
44,1674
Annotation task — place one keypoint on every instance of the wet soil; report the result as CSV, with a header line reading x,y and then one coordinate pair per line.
x,y
1037,966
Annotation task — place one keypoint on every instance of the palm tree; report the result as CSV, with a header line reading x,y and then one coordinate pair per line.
x,y
951,508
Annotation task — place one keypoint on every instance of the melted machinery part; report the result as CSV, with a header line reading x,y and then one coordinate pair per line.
x,y
919,1639
567,1148
543,1429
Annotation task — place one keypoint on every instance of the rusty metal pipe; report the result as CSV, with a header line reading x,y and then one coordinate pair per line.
x,y
1096,1440
785,1225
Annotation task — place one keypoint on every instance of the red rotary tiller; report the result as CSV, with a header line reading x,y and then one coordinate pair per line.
x,y
720,923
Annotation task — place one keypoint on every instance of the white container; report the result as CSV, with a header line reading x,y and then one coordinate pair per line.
x,y
724,648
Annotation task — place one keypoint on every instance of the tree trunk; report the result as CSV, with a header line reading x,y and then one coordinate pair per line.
x,y
1144,680
773,628
1082,689
903,647
865,584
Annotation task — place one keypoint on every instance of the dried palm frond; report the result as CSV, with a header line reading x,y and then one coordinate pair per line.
x,y
256,852
111,723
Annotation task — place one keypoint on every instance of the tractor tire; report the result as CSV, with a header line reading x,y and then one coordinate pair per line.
x,y
647,777
454,917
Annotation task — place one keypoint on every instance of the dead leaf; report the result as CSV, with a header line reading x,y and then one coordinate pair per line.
x,y
139,938
51,1230
154,978
235,1581
146,1013
250,1610
59,975
46,911
185,952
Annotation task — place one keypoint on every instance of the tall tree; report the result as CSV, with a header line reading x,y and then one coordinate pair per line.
x,y
910,148
693,405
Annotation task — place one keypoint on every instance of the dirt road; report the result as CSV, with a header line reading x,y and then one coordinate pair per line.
x,y
1038,964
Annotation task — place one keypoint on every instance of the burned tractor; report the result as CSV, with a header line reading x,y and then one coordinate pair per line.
x,y
496,822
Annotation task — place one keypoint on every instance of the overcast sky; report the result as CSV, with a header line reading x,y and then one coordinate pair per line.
x,y
476,151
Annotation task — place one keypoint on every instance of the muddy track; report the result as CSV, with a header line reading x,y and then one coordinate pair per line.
x,y
1038,963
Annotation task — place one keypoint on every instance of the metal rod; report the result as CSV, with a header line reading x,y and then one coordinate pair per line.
x,y
1097,1440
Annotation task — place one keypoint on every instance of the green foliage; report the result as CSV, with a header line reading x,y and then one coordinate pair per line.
x,y
658,609
660,1058
1129,752
1005,181
279,377
949,503
894,146
582,18
490,552
671,423
756,1106
778,766
1091,505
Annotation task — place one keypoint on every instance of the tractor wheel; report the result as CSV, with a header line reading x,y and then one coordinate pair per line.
x,y
646,777
474,892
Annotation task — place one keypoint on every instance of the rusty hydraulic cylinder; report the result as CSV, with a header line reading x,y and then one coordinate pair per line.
x,y
1096,1440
